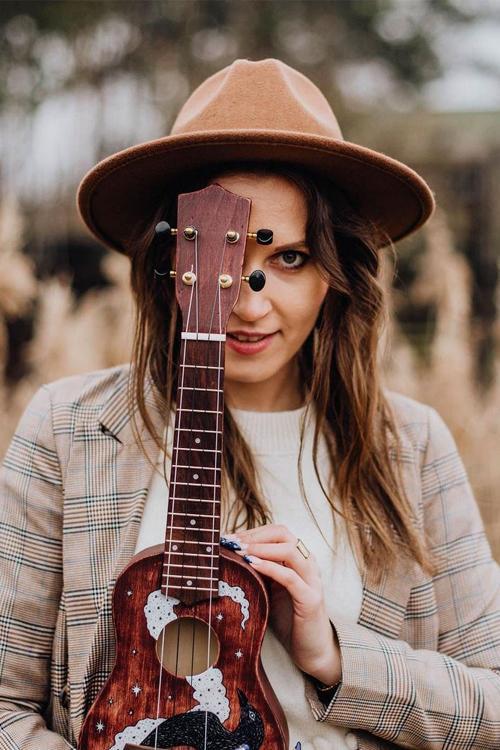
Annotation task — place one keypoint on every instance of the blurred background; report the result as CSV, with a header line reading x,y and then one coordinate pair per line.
x,y
417,79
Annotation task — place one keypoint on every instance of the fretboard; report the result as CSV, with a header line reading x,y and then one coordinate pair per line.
x,y
191,556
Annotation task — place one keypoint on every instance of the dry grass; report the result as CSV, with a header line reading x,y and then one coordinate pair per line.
x,y
97,333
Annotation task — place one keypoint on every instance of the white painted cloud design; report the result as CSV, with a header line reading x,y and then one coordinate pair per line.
x,y
237,595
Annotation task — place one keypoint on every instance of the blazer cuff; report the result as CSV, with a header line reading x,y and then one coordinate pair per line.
x,y
364,678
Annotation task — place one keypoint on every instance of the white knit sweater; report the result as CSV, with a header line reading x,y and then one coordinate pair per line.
x,y
274,440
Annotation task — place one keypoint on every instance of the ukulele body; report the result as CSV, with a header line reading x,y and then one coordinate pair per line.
x,y
229,706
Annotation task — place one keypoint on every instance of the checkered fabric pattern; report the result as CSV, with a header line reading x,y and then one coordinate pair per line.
x,y
421,668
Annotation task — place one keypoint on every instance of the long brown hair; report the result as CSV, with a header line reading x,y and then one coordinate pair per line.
x,y
338,363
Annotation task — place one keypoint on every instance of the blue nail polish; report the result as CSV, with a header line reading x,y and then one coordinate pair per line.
x,y
248,559
229,544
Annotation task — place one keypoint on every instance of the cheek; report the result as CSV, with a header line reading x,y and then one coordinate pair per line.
x,y
306,305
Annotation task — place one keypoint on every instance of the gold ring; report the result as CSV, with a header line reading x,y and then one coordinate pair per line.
x,y
302,549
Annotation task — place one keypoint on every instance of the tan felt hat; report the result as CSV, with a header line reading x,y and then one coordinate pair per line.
x,y
251,111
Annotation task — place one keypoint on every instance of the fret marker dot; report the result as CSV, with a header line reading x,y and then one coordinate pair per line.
x,y
189,583
174,547
197,440
196,476
208,549
192,522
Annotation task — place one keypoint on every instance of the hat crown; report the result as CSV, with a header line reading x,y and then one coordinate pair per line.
x,y
257,95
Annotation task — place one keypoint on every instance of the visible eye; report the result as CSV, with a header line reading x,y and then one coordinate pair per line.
x,y
290,259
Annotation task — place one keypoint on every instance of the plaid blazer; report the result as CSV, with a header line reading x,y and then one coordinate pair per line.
x,y
421,668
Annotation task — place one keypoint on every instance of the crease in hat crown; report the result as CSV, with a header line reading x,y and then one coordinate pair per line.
x,y
244,96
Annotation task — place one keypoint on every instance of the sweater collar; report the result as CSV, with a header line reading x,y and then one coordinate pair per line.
x,y
276,432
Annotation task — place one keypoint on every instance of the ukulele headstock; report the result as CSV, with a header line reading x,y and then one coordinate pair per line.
x,y
211,237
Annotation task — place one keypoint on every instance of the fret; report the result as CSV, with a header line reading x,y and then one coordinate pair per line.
x,y
199,388
194,429
186,565
195,499
198,515
189,541
201,411
196,468
214,589
204,367
192,484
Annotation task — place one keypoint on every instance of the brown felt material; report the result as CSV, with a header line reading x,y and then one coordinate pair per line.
x,y
259,111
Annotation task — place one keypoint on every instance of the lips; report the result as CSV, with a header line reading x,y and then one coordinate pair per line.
x,y
246,342
252,339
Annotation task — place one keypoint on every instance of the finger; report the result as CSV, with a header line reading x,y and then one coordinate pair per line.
x,y
272,532
287,554
305,598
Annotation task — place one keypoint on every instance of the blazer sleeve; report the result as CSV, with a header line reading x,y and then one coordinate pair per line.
x,y
30,578
448,698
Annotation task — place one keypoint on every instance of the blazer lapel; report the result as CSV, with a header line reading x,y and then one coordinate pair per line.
x,y
108,479
384,602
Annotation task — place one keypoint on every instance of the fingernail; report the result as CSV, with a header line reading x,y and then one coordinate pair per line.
x,y
229,544
249,559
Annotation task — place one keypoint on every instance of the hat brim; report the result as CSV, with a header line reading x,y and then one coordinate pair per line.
x,y
122,191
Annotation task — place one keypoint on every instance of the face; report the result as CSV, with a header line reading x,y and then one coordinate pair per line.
x,y
267,329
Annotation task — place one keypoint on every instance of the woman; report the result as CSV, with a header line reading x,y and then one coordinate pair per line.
x,y
350,500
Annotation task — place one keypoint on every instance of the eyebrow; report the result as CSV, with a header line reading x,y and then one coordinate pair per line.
x,y
290,245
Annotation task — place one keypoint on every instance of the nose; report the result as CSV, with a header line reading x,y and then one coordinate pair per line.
x,y
252,306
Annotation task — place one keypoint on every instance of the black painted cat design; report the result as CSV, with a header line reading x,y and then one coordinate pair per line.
x,y
203,730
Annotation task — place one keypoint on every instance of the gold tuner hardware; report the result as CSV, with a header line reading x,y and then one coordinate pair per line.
x,y
256,280
225,280
172,274
190,233
163,228
189,278
263,236
232,235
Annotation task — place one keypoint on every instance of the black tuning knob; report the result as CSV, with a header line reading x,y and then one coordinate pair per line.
x,y
162,229
257,280
264,237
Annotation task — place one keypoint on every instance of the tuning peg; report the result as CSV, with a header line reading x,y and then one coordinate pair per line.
x,y
163,229
256,280
263,236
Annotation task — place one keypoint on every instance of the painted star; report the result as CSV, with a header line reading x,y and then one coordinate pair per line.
x,y
99,726
220,616
136,690
238,653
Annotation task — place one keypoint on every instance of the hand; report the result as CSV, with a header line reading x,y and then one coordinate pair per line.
x,y
298,615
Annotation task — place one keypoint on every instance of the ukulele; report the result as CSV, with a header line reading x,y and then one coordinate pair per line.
x,y
189,616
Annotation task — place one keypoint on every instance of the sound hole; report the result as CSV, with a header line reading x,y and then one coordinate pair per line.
x,y
187,646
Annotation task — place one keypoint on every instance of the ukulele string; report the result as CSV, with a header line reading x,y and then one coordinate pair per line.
x,y
175,458
197,369
192,388
217,452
